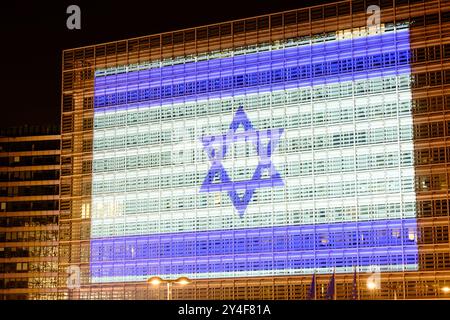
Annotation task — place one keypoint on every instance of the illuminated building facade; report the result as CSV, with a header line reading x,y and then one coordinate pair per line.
x,y
29,210
251,154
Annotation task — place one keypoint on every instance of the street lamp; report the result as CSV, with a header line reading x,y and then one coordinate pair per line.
x,y
371,285
445,289
156,281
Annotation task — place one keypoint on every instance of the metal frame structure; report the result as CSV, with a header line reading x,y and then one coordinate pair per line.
x,y
430,62
29,213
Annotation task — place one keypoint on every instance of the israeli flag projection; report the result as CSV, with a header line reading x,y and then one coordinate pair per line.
x,y
278,159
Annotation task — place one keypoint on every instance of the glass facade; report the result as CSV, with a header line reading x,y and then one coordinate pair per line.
x,y
249,155
341,191
29,212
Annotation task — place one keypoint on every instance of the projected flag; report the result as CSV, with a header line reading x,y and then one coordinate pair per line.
x,y
277,159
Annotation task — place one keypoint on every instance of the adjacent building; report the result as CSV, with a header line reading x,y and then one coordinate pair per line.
x,y
29,211
249,155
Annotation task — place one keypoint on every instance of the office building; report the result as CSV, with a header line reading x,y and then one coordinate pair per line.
x,y
249,155
29,210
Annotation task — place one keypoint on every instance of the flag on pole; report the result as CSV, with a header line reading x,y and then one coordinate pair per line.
x,y
355,286
312,289
331,291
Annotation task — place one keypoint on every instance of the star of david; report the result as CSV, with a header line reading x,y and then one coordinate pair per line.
x,y
216,147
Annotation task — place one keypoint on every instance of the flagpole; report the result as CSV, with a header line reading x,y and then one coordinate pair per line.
x,y
354,288
356,283
315,293
315,287
331,289
312,295
334,284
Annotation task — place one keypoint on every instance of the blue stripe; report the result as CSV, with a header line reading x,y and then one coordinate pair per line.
x,y
316,73
286,261
384,242
364,75
298,73
309,54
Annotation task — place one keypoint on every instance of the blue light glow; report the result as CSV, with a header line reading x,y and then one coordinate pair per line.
x,y
364,243
252,190
264,163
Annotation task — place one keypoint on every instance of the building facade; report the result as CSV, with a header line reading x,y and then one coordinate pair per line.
x,y
29,210
250,155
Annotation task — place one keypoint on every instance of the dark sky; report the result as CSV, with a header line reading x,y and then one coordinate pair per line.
x,y
33,35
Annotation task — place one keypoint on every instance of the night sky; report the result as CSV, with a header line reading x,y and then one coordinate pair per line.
x,y
34,33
